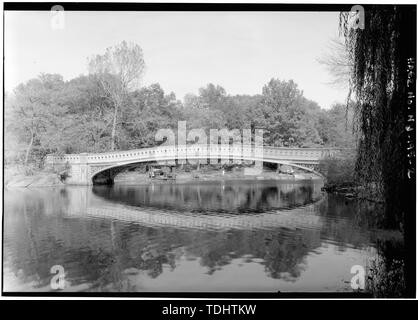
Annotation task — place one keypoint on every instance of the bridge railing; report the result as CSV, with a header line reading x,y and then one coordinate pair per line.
x,y
197,151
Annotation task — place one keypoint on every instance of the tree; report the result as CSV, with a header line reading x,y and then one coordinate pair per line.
x,y
81,110
338,63
119,70
148,110
88,118
207,109
240,111
34,111
335,126
212,97
379,77
379,84
286,115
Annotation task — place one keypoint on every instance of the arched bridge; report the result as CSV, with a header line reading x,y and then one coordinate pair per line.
x,y
84,167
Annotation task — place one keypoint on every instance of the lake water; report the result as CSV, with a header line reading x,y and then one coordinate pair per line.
x,y
257,236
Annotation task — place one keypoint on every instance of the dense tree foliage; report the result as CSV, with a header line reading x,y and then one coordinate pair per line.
x,y
379,80
118,70
288,116
49,115
106,110
380,54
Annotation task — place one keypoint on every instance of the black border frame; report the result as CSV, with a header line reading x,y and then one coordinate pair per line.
x,y
299,7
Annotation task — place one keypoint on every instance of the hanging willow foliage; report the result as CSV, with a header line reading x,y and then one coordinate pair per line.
x,y
379,84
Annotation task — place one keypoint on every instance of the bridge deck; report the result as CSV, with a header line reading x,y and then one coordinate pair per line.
x,y
85,166
198,151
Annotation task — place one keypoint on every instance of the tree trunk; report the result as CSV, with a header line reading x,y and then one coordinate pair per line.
x,y
112,147
29,149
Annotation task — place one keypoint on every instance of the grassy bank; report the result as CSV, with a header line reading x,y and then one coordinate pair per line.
x,y
341,178
19,176
339,172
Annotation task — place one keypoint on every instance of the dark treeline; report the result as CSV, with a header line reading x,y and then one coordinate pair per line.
x,y
49,115
382,54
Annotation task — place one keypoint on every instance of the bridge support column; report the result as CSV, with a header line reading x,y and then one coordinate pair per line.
x,y
80,174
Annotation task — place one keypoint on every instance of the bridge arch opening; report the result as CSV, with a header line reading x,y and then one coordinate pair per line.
x,y
107,175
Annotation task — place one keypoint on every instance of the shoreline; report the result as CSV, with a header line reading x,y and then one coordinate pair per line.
x,y
352,192
183,177
48,179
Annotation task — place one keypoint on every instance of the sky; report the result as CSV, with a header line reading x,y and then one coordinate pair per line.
x,y
183,51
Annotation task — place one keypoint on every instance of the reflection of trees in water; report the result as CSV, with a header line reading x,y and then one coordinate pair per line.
x,y
214,197
90,254
282,251
91,251
25,213
350,221
42,232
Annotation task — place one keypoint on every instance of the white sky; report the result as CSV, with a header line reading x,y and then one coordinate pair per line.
x,y
183,51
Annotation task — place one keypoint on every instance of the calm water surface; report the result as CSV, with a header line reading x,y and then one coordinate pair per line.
x,y
218,236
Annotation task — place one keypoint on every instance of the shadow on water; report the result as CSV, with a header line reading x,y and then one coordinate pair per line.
x,y
237,236
205,197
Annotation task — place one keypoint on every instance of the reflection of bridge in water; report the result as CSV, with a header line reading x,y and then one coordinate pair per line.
x,y
91,206
301,217
240,196
101,241
84,167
